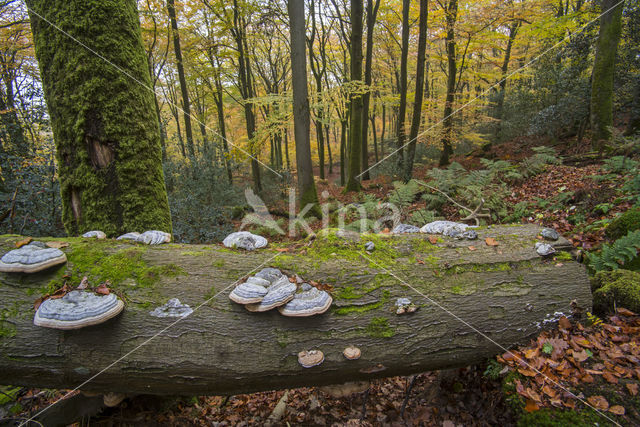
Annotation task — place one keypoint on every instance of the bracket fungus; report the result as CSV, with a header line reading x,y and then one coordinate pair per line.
x,y
404,305
405,228
154,237
448,228
307,303
279,293
31,258
244,240
270,274
173,308
129,236
369,246
310,358
544,249
112,399
352,353
248,292
77,309
96,234
550,234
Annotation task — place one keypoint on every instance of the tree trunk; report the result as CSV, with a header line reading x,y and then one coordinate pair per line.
x,y
372,11
633,125
513,31
355,127
451,16
603,73
403,84
104,122
417,103
307,193
186,105
505,292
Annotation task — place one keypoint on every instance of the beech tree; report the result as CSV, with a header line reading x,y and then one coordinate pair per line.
x,y
355,130
306,186
603,72
103,115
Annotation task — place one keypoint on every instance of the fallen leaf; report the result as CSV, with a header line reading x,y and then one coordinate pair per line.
x,y
84,283
282,249
610,377
472,248
57,245
433,240
598,402
564,323
617,409
580,356
490,241
102,289
531,406
21,243
632,388
625,312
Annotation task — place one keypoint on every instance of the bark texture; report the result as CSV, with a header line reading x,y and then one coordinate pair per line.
x,y
603,72
104,122
505,292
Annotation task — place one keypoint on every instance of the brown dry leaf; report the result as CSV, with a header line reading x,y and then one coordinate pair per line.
x,y
583,342
57,244
531,406
617,409
533,395
102,289
84,283
580,356
37,303
610,377
564,323
472,248
587,379
632,388
490,241
21,243
546,389
625,312
433,240
527,372
598,402
282,249
531,353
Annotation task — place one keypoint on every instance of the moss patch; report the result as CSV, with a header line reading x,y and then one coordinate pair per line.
x,y
379,328
626,222
619,287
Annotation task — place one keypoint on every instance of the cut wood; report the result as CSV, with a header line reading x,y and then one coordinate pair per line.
x,y
505,292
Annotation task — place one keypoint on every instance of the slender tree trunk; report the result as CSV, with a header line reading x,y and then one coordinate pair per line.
x,y
375,139
186,105
104,122
384,122
326,132
286,148
451,16
343,149
603,73
222,128
417,103
634,120
301,122
403,84
372,11
246,87
355,128
513,31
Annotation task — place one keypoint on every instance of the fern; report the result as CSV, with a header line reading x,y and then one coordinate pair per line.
x,y
622,252
404,194
593,320
620,165
422,217
538,162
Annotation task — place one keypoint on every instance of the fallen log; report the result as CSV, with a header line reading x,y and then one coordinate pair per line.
x,y
507,292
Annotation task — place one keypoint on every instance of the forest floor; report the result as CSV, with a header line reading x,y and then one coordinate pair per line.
x,y
597,361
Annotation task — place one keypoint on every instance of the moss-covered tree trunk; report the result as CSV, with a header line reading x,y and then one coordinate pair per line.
x,y
97,87
506,292
603,73
355,101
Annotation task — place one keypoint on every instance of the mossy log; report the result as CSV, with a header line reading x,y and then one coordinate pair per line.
x,y
506,291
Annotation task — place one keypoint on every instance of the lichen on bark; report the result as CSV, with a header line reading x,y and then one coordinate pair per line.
x,y
97,87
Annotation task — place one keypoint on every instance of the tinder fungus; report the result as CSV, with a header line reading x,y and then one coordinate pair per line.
x,y
77,309
31,258
310,358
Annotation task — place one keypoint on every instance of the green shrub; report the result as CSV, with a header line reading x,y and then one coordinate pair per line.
x,y
623,224
618,288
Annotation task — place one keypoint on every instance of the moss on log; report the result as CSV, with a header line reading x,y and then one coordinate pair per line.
x,y
505,291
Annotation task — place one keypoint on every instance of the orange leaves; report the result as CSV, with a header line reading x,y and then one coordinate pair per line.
x,y
433,240
598,402
21,243
57,245
490,241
